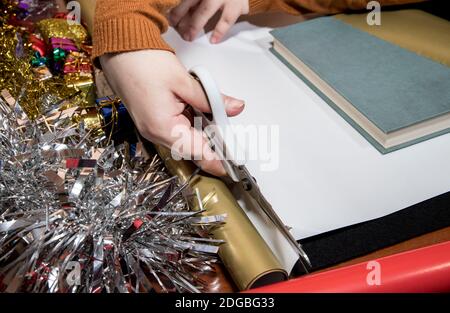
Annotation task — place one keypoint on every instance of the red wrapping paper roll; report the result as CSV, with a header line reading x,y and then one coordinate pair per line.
x,y
421,270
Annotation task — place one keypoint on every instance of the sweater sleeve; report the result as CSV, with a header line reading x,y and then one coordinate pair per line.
x,y
317,6
128,25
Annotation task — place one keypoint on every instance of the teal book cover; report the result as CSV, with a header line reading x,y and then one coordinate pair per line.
x,y
392,87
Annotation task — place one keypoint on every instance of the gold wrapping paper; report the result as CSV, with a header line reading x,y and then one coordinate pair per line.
x,y
245,254
415,30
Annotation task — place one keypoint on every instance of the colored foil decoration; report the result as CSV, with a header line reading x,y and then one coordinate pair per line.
x,y
115,119
42,73
59,28
30,11
58,58
77,62
63,43
18,76
59,54
37,44
79,80
38,60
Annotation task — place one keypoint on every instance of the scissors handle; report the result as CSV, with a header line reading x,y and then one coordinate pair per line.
x,y
219,125
219,115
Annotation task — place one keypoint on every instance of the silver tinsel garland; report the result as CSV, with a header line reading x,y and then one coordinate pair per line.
x,y
79,215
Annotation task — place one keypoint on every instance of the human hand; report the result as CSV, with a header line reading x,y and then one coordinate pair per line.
x,y
191,16
156,89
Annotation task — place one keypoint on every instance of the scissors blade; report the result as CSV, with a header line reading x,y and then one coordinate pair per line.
x,y
235,168
252,188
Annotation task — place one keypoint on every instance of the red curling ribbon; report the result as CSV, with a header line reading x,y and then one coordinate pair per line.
x,y
37,44
420,270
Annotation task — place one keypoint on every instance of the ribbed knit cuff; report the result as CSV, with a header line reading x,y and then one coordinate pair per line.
x,y
122,35
259,6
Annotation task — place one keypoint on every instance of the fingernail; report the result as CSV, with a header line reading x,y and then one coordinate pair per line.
x,y
238,104
214,39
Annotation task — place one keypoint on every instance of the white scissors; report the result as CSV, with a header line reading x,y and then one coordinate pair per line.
x,y
218,130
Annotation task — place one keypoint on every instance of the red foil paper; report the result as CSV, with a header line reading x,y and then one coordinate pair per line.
x,y
421,270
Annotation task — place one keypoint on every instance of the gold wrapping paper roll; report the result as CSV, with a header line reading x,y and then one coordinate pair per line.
x,y
247,257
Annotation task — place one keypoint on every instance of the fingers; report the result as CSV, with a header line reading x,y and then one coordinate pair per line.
x,y
229,17
189,143
177,13
233,106
156,87
213,167
192,93
191,25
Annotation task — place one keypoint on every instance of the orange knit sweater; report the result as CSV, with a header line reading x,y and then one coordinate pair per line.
x,y
127,25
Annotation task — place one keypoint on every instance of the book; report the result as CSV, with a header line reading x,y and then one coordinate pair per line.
x,y
393,96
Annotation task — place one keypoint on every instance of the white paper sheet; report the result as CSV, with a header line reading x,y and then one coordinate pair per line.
x,y
329,176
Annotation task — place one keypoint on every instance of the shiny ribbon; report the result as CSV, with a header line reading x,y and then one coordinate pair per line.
x,y
77,63
63,43
38,60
